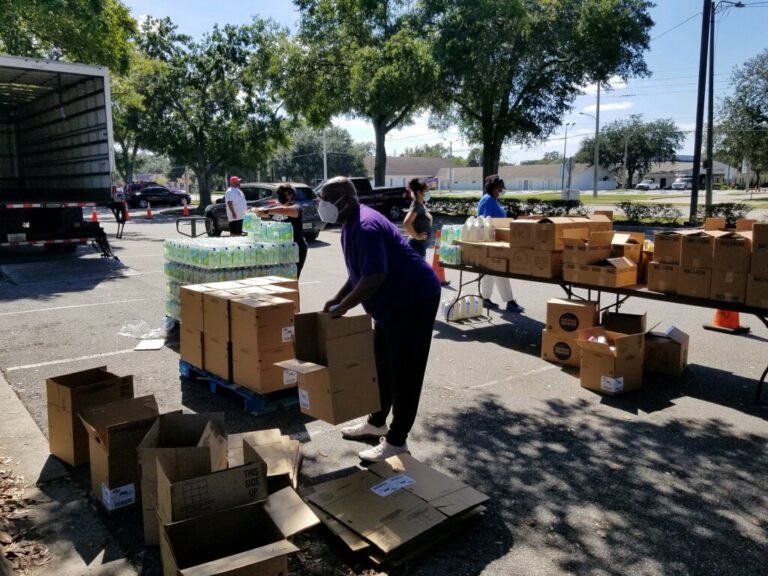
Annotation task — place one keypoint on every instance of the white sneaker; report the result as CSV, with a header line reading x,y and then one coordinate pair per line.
x,y
382,451
363,430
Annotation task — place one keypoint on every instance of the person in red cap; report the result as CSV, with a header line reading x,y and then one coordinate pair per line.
x,y
236,206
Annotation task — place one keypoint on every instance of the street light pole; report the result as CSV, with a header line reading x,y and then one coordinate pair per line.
x,y
711,101
597,142
692,215
565,148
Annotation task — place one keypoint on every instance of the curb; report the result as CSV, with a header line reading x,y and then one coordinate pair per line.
x,y
59,513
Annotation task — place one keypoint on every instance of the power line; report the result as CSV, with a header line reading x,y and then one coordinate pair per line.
x,y
676,26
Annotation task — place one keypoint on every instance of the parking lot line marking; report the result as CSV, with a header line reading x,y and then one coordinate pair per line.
x,y
52,362
78,306
510,378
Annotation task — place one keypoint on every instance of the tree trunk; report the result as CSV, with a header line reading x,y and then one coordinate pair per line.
x,y
491,153
204,187
630,176
380,163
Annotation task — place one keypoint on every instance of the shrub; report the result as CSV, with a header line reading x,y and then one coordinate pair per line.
x,y
637,213
731,211
457,206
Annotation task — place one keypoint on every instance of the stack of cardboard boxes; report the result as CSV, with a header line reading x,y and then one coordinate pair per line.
x,y
716,264
564,320
530,246
602,259
237,330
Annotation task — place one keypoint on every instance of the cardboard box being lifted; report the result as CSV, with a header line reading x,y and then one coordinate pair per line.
x,y
177,437
335,366
67,396
248,540
613,366
115,431
666,351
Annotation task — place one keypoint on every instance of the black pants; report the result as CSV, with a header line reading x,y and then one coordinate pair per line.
x,y
420,246
236,227
402,350
302,259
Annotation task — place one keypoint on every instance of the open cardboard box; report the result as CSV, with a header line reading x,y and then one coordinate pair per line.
x,y
69,394
611,273
281,454
177,437
591,250
246,540
614,366
335,366
115,431
628,245
666,351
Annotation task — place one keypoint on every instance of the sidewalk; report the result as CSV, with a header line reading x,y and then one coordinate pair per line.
x,y
58,513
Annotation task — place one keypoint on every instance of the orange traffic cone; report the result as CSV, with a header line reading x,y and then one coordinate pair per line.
x,y
127,212
185,210
439,270
728,322
94,215
149,210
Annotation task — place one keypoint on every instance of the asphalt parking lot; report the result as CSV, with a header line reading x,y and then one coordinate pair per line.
x,y
672,479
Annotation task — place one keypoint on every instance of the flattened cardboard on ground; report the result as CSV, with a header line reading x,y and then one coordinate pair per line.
x,y
731,251
179,436
580,250
246,540
697,249
281,454
623,323
547,264
191,346
666,351
335,366
614,366
115,431
394,502
663,277
187,487
69,394
559,348
757,291
567,317
667,247
727,286
694,282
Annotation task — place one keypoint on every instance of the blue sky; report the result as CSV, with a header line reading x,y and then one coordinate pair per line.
x,y
670,92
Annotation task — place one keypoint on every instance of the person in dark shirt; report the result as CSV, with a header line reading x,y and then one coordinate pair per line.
x,y
292,213
418,220
398,288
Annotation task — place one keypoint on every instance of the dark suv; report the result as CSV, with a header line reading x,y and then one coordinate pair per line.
x,y
142,194
265,194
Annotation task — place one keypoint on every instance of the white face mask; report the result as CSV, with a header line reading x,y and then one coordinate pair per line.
x,y
328,212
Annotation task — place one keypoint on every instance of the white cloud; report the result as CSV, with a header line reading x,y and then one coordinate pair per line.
x,y
611,107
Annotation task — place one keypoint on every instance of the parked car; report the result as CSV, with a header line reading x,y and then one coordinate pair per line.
x,y
391,201
647,184
142,194
265,194
683,183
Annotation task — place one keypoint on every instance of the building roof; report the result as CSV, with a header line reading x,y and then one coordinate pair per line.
x,y
525,171
686,167
416,166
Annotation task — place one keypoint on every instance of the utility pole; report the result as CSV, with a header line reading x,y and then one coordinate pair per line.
x,y
325,157
565,148
710,112
624,162
597,142
450,171
692,216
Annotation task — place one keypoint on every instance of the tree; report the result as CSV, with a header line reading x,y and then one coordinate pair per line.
x,y
645,142
88,31
428,151
549,158
510,69
303,159
475,157
359,58
742,131
213,103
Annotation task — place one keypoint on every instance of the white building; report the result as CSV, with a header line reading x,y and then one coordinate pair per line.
x,y
530,177
400,169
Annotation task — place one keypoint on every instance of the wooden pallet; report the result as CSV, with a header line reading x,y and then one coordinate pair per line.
x,y
254,402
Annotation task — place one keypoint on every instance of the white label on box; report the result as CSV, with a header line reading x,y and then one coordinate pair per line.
x,y
392,485
290,377
288,334
612,384
118,497
303,399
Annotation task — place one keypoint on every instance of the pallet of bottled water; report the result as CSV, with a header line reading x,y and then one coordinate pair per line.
x,y
266,230
225,253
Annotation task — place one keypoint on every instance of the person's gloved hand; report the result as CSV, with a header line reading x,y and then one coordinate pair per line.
x,y
337,311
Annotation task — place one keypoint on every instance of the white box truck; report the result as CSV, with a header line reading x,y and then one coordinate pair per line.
x,y
56,155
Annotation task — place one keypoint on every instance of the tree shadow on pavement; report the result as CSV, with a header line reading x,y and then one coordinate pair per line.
x,y
587,493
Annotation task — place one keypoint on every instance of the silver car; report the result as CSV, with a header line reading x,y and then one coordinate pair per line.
x,y
684,183
265,194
